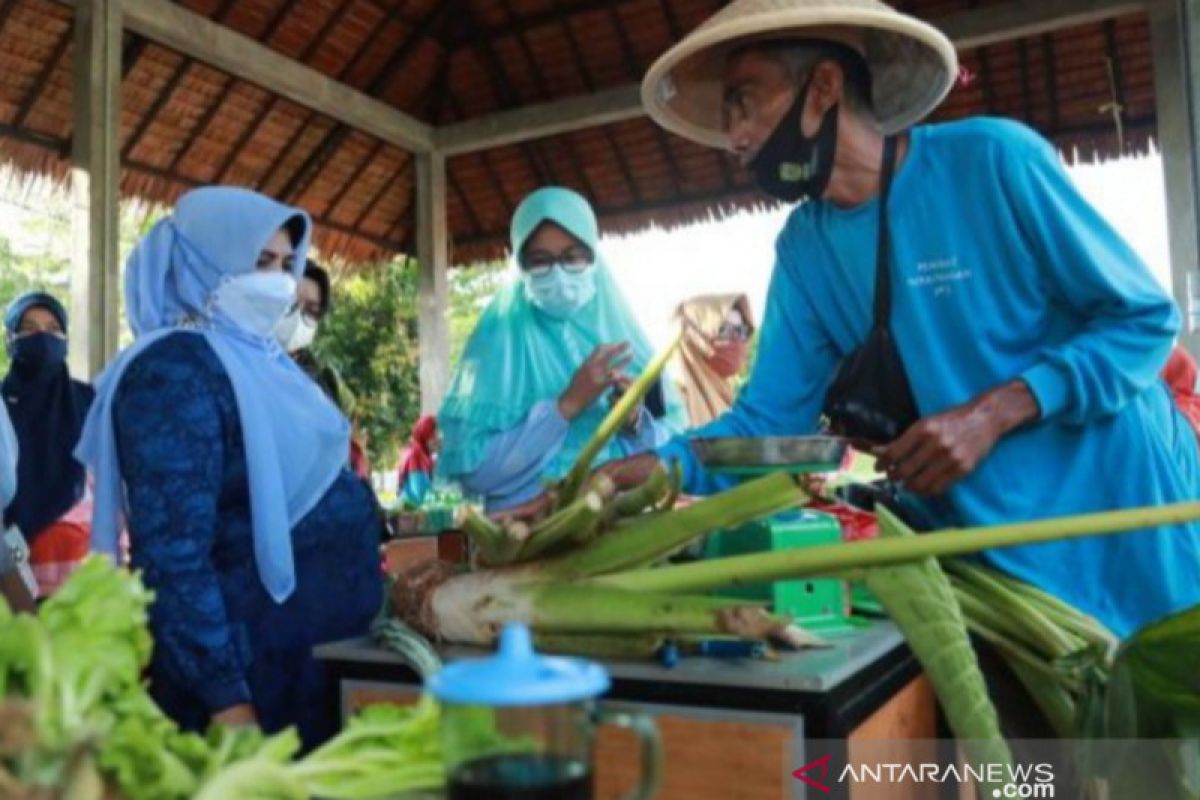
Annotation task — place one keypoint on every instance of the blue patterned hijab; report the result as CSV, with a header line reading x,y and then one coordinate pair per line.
x,y
518,355
295,439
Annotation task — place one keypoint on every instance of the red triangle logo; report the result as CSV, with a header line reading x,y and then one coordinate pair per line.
x,y
823,763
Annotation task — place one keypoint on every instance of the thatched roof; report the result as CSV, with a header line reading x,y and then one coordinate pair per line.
x,y
184,124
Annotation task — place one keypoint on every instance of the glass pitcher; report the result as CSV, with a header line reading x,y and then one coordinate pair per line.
x,y
520,726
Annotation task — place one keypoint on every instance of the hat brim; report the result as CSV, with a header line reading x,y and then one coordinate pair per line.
x,y
913,66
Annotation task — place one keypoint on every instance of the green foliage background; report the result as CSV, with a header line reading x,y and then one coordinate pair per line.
x,y
370,338
40,256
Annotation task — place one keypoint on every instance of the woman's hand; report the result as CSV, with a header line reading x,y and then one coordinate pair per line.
x,y
596,375
239,716
631,471
529,511
621,385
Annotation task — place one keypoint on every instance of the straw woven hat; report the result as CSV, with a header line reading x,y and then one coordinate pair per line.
x,y
913,64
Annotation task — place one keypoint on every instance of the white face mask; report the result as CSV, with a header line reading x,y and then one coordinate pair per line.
x,y
295,331
256,301
560,293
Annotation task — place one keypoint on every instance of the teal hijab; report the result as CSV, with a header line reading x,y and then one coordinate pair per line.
x,y
518,355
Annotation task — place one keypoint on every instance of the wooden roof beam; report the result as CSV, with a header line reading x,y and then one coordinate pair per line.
x,y
199,37
1019,19
540,120
967,29
327,148
260,118
517,25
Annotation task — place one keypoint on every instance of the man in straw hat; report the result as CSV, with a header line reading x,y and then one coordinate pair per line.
x,y
1012,373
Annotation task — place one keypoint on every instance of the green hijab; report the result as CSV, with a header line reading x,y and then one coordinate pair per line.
x,y
518,355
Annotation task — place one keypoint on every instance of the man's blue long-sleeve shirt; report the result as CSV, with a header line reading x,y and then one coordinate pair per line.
x,y
1001,270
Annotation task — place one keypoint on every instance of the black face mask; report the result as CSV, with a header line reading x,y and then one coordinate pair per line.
x,y
38,353
791,166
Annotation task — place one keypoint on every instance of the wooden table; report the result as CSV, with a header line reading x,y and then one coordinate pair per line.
x,y
731,729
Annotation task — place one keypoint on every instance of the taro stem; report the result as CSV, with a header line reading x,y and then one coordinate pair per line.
x,y
612,423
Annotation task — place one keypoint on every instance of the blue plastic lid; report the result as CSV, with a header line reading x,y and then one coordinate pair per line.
x,y
517,676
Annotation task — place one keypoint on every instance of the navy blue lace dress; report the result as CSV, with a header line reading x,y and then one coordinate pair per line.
x,y
220,639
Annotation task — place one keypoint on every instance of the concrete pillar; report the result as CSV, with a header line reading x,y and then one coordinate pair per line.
x,y
95,174
1175,39
433,255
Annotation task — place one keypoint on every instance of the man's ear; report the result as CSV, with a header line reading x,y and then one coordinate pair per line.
x,y
824,92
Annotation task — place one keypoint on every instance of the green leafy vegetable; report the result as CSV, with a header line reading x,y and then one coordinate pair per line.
x,y
1152,695
75,715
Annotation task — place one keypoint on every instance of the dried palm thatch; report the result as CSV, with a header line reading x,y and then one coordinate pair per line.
x,y
183,124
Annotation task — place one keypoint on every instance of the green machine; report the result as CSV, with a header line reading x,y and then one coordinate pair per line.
x,y
821,605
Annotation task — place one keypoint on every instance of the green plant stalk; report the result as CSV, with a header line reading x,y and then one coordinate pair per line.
x,y
602,485
1091,632
1040,634
585,534
516,534
381,779
487,535
1052,699
704,576
635,501
612,423
576,609
625,523
1082,632
574,520
918,598
977,610
1044,685
1086,627
408,643
994,628
674,487
648,539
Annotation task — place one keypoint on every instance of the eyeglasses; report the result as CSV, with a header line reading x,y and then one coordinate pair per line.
x,y
539,262
734,331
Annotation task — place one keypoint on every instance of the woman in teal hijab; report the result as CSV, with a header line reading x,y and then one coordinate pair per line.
x,y
549,355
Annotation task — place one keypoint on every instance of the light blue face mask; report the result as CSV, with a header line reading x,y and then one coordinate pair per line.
x,y
560,293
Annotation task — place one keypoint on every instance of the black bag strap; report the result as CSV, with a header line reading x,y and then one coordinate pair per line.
x,y
883,272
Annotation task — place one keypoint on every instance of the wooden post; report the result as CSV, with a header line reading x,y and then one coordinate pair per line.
x,y
94,185
432,253
1175,40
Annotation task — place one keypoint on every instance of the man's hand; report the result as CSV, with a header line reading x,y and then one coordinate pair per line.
x,y
938,451
631,472
594,376
239,716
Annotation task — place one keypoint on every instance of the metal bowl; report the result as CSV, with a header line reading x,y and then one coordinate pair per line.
x,y
769,453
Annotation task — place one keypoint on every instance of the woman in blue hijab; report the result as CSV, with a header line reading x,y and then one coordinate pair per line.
x,y
47,407
546,360
228,462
